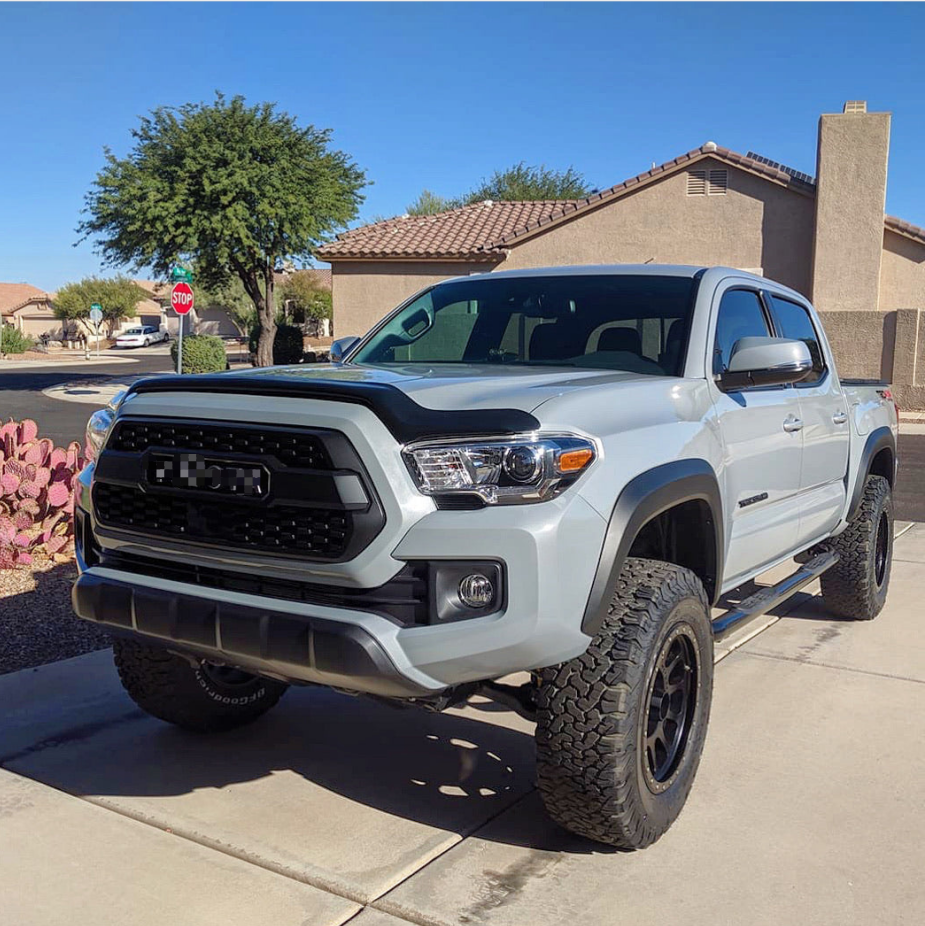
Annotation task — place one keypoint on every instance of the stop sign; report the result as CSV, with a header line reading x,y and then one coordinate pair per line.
x,y
181,298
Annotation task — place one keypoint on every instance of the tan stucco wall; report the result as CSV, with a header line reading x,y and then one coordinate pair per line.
x,y
902,273
850,196
756,224
364,291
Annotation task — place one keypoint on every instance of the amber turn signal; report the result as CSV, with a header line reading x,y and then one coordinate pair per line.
x,y
572,461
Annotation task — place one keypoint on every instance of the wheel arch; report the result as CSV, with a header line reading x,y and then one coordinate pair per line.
x,y
682,492
878,458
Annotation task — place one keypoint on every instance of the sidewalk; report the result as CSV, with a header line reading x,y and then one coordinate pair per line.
x,y
809,806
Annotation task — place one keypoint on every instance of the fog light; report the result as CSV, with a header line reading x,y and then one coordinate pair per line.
x,y
476,591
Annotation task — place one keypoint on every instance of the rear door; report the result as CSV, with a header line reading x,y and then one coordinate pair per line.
x,y
762,447
824,413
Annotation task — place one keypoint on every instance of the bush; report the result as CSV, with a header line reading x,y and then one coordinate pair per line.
x,y
287,346
37,483
13,341
202,353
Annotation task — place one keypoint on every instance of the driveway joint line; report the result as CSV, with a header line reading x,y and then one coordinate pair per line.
x,y
829,665
381,902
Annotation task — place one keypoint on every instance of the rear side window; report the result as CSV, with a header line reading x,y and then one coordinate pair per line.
x,y
740,316
793,321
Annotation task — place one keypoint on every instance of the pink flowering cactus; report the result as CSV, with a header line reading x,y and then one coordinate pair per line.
x,y
37,483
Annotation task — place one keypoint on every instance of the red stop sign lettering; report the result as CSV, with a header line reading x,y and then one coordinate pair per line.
x,y
181,298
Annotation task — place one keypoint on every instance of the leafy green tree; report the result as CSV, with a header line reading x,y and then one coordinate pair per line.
x,y
520,182
118,296
234,188
429,203
303,299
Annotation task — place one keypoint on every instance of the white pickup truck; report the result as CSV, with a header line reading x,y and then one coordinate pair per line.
x,y
554,472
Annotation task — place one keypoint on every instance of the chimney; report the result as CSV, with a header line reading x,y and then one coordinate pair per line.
x,y
851,165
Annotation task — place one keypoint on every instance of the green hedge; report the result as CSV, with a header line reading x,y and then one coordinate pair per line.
x,y
202,353
13,341
287,346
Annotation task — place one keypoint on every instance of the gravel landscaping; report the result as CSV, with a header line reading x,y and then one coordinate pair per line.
x,y
37,624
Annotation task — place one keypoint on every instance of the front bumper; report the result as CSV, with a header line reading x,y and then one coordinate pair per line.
x,y
291,646
549,553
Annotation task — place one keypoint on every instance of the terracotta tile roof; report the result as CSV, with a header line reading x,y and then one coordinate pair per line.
x,y
15,295
904,228
467,232
482,231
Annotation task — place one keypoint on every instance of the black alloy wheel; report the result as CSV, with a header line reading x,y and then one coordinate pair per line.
x,y
670,706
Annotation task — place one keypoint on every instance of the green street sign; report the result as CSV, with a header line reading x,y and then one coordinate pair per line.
x,y
181,275
96,305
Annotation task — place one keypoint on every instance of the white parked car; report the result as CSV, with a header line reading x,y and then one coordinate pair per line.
x,y
141,336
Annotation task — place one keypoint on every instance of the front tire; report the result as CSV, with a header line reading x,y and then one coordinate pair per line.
x,y
206,698
856,586
620,729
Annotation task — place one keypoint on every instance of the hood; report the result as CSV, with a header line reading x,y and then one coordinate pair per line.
x,y
459,385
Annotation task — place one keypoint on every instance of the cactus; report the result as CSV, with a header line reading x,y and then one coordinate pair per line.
x,y
37,484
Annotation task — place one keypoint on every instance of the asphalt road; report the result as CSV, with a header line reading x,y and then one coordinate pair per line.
x,y
21,393
21,397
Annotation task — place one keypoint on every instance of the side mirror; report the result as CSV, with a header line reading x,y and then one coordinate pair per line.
x,y
341,347
766,362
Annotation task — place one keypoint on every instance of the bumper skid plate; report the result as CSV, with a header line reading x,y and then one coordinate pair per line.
x,y
288,646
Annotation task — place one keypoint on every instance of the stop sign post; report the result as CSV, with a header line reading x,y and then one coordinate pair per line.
x,y
181,298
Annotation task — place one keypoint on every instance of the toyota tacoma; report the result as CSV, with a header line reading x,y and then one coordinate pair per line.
x,y
560,473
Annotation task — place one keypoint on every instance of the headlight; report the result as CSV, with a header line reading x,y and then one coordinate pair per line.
x,y
509,471
99,426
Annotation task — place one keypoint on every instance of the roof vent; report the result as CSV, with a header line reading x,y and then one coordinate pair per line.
x,y
855,106
709,146
696,182
488,202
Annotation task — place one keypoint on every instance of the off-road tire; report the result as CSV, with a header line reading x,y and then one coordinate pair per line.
x,y
856,586
170,688
592,764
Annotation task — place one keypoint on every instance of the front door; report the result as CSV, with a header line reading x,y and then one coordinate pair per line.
x,y
824,413
763,448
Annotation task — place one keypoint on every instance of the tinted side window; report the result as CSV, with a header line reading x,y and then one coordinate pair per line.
x,y
740,316
794,322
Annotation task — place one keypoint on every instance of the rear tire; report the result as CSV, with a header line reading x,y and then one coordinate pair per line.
x,y
856,586
205,698
620,729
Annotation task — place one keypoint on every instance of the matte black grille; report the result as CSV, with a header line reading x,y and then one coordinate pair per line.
x,y
291,448
312,532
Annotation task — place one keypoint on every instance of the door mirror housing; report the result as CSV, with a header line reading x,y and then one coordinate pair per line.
x,y
766,362
341,347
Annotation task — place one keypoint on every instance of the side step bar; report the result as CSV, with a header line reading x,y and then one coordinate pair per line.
x,y
767,598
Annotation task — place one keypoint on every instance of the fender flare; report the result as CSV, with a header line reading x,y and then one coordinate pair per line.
x,y
644,497
878,439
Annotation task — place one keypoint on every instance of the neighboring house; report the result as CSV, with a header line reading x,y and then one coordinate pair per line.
x,y
28,309
827,237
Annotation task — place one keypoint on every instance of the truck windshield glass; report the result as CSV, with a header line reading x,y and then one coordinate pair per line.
x,y
613,322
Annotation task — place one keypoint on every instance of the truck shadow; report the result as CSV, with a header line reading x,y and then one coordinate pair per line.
x,y
446,770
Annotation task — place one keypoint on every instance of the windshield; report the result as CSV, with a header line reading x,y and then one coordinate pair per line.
x,y
135,331
612,322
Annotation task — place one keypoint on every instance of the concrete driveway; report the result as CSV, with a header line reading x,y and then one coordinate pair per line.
x,y
809,806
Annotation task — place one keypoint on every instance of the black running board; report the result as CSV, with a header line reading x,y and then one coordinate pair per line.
x,y
767,598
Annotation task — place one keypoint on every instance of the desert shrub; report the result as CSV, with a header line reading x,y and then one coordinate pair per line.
x,y
202,353
13,341
37,485
287,346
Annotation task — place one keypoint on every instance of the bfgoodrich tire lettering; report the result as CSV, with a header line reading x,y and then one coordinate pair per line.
x,y
856,586
599,714
204,698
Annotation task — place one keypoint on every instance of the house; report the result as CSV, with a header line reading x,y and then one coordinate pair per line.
x,y
28,309
825,236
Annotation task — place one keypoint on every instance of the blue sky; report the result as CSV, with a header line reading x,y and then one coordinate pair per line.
x,y
439,95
